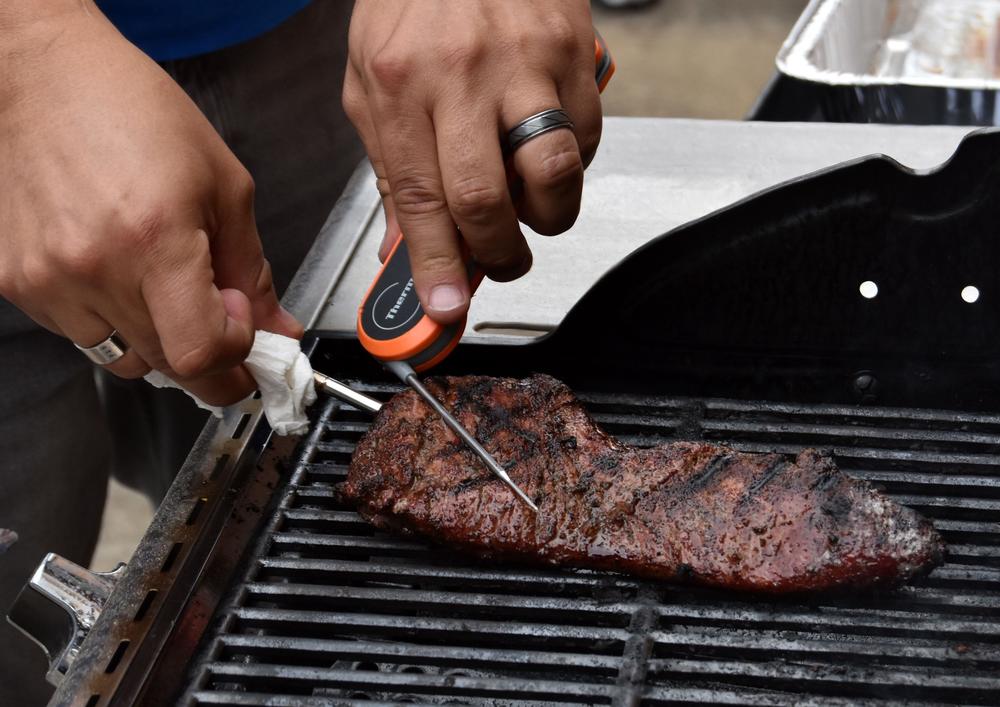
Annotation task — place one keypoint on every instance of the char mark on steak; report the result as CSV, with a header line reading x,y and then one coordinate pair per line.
x,y
686,511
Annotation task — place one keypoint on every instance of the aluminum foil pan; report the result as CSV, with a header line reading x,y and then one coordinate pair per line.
x,y
897,61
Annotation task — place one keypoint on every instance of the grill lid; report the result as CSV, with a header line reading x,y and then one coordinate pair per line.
x,y
849,285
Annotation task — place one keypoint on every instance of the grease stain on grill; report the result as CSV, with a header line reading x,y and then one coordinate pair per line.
x,y
330,596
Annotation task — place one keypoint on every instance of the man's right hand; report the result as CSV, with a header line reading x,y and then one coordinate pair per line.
x,y
121,207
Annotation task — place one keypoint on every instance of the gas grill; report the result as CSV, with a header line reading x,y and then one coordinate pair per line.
x,y
256,586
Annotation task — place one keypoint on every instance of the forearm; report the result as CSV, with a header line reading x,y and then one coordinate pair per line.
x,y
35,36
17,16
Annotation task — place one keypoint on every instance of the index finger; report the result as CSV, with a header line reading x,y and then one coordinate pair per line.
x,y
409,150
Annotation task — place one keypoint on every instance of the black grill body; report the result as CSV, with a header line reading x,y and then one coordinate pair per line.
x,y
745,328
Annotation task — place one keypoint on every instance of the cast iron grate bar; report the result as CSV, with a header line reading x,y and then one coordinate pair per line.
x,y
333,611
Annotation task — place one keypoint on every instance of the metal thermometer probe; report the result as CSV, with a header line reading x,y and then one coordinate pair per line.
x,y
341,391
406,374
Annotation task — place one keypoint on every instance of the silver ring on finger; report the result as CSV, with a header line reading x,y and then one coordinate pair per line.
x,y
535,125
106,352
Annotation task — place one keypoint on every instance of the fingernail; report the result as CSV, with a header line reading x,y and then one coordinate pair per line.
x,y
445,298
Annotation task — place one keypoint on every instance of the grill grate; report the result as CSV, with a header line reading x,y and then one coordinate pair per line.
x,y
332,611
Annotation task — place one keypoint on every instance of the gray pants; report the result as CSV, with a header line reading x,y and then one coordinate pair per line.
x,y
276,102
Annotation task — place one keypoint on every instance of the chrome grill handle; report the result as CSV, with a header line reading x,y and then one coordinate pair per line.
x,y
58,607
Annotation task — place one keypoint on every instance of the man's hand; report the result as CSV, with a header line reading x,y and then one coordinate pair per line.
x,y
122,208
433,86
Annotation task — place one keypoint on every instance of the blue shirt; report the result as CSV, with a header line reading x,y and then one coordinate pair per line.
x,y
174,29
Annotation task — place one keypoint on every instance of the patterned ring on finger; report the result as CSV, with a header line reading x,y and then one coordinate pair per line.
x,y
107,351
535,125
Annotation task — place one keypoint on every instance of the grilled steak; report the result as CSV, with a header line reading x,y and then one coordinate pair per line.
x,y
690,511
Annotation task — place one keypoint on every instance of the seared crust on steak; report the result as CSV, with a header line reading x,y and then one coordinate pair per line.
x,y
690,511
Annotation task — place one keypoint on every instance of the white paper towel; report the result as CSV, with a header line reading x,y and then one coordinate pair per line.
x,y
284,377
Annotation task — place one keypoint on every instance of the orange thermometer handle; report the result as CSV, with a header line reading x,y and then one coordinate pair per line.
x,y
602,58
392,325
